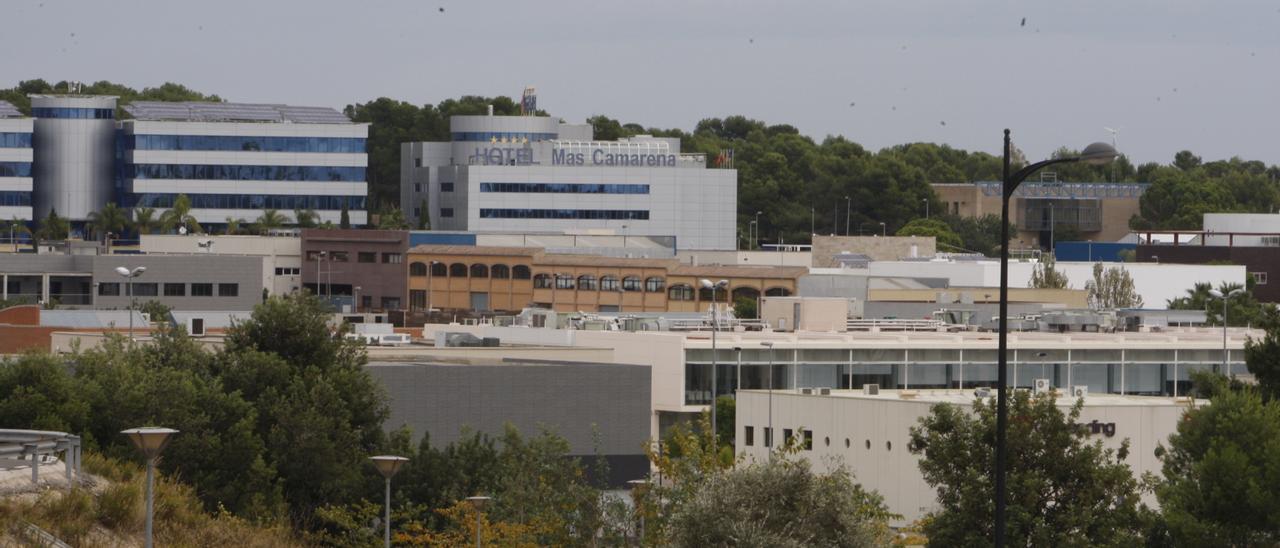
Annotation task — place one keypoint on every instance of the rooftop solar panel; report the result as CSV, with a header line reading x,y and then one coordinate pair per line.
x,y
7,110
234,112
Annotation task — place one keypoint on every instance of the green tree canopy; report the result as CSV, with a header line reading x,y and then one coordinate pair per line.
x,y
111,218
1046,276
947,240
1111,288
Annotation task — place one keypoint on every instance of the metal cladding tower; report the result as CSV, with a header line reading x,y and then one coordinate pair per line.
x,y
74,151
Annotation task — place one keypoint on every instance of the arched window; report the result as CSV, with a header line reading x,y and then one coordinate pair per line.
x,y
587,282
457,270
631,283
439,269
417,269
520,272
479,271
655,284
680,292
608,283
564,281
499,272
777,292
542,281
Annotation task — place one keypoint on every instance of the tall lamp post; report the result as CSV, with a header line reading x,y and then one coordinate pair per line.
x,y
848,211
715,326
478,503
388,466
150,441
755,238
769,432
884,230
926,208
1094,154
129,274
1218,295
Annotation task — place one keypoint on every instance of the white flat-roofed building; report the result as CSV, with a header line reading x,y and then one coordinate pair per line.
x,y
16,156
869,433
236,160
281,255
534,174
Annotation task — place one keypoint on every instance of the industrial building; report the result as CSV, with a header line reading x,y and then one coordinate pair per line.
x,y
1090,211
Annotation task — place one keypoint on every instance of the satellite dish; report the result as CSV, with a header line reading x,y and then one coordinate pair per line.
x,y
182,230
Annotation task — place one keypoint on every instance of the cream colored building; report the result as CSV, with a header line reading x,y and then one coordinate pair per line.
x,y
281,255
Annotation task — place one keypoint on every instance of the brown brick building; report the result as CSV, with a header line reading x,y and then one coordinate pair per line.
x,y
356,267
1096,211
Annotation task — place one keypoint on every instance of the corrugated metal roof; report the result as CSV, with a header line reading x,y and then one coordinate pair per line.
x,y
7,110
195,111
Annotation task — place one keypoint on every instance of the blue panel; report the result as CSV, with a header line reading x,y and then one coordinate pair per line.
x,y
75,113
247,143
563,188
502,137
1090,251
15,169
246,173
15,198
439,238
15,140
248,201
597,214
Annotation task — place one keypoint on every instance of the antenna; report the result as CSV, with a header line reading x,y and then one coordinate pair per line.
x,y
1114,133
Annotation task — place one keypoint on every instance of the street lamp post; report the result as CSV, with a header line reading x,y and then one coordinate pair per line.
x,y
150,441
388,466
478,503
769,434
848,209
755,239
1219,295
1094,154
926,208
129,274
715,326
884,231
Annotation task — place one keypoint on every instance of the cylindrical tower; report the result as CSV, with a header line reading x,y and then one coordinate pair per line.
x,y
74,151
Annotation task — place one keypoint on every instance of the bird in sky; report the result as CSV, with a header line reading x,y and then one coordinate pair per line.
x,y
1024,21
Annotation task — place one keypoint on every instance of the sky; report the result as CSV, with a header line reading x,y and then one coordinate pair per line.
x,y
1169,74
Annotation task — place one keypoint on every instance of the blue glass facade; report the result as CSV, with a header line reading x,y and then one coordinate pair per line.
x,y
242,143
15,198
502,136
249,201
15,140
75,113
15,169
604,214
564,188
246,173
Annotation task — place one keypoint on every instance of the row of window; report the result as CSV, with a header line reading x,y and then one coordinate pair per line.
x,y
288,271
749,438
76,113
562,188
249,201
15,198
243,143
586,282
349,174
502,137
459,270
151,289
15,169
15,140
361,257
607,283
608,214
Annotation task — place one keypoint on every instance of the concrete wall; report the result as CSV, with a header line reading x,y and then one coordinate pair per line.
x,y
244,272
890,248
278,252
1259,262
805,313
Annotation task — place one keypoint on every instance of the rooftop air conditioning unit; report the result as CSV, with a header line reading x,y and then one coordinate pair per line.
x,y
1080,391
195,326
806,391
870,389
824,391
982,392
1043,386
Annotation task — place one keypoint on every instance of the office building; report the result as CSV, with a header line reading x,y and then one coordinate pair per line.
x,y
356,270
1251,240
1045,210
16,159
281,253
535,174
74,154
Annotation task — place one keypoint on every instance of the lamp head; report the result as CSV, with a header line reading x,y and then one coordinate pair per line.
x,y
478,502
138,271
705,283
1215,293
122,271
150,440
766,344
388,465
1098,154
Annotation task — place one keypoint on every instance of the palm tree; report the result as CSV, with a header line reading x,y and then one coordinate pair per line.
x,y
109,219
270,219
235,226
144,220
180,216
306,218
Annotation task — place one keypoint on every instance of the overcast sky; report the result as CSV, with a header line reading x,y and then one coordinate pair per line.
x,y
1170,74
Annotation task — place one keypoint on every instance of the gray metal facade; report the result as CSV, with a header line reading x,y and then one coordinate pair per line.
x,y
245,273
74,158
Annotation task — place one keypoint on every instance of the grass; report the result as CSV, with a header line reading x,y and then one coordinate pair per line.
x,y
112,513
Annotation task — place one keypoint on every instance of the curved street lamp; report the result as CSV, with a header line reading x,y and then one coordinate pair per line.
x,y
1218,295
478,503
129,274
715,326
388,466
150,441
1094,154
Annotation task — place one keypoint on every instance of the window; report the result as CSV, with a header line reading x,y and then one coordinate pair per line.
x,y
542,281
144,290
338,256
520,272
500,272
768,437
439,269
417,162
15,169
631,283
786,436
366,302
229,172
391,303
288,271
417,212
479,271
366,257
587,282
1260,278
201,290
564,281
314,255
228,290
287,202
457,270
246,143
503,137
600,214
417,269
808,440
446,212
446,187
105,289
417,187
417,299
608,283
563,188
748,436
175,290
655,284
77,113
680,292
392,258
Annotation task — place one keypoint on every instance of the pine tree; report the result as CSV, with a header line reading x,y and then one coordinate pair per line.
x,y
345,222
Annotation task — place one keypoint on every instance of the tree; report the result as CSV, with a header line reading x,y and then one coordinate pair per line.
x,y
111,218
1063,490
1045,276
156,310
938,229
268,220
1262,357
53,227
392,220
424,217
305,218
1221,483
145,221
1111,288
179,216
1242,309
744,307
344,221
